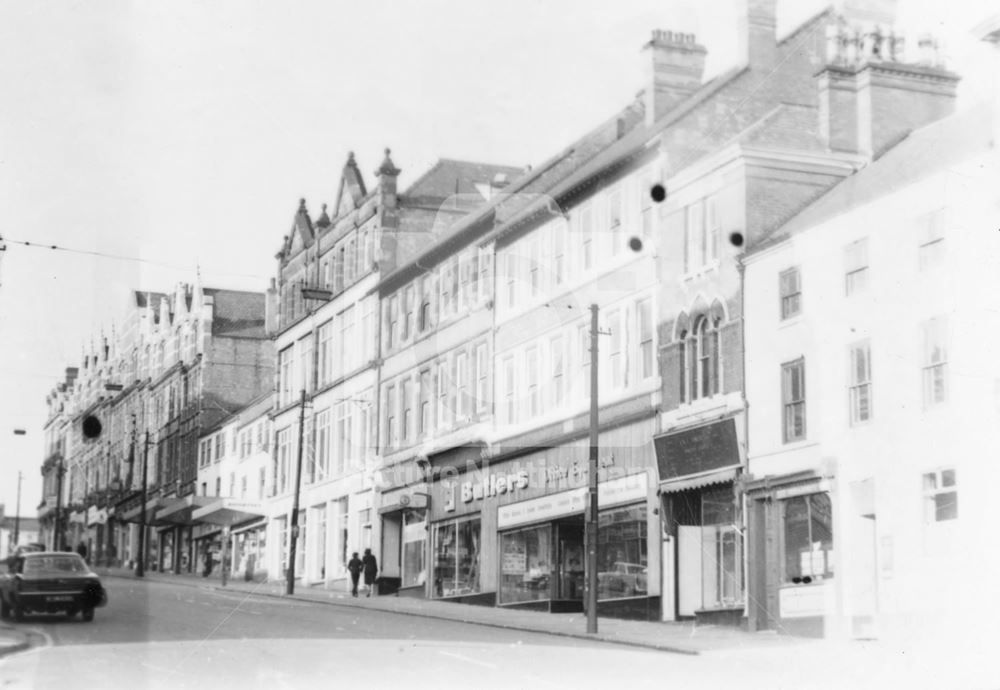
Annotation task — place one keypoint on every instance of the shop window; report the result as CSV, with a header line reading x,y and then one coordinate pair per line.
x,y
622,556
793,399
414,539
808,538
525,565
456,558
940,496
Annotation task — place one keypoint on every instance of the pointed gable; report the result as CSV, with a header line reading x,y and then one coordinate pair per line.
x,y
352,187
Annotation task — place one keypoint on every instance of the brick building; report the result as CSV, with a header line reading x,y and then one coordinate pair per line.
x,y
179,363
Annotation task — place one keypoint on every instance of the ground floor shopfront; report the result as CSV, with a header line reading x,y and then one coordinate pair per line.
x,y
703,539
507,528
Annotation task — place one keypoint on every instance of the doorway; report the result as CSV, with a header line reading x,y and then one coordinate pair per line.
x,y
570,568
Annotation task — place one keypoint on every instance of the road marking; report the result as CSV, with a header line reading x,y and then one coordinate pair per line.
x,y
467,659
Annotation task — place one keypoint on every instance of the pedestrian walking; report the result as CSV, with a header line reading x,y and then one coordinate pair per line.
x,y
354,567
81,549
371,570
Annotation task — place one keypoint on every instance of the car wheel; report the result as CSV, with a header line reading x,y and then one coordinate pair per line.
x,y
70,613
88,615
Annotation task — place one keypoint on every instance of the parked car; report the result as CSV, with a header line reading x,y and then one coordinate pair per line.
x,y
623,579
50,582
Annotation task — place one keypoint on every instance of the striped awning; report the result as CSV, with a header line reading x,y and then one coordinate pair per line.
x,y
697,481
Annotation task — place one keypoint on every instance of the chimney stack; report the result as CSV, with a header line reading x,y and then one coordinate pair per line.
x,y
674,64
758,43
869,97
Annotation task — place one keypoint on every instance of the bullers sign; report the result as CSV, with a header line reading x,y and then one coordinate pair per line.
x,y
494,485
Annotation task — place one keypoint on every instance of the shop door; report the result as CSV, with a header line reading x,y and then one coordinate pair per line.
x,y
570,562
689,575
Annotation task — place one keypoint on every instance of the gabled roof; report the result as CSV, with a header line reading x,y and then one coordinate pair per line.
x,y
923,153
351,190
237,314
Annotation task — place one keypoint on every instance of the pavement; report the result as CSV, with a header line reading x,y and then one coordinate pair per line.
x,y
678,637
12,640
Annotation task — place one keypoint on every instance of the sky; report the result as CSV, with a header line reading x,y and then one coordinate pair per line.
x,y
182,135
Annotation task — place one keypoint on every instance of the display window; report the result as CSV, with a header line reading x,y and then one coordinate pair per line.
x,y
808,538
525,564
622,553
456,558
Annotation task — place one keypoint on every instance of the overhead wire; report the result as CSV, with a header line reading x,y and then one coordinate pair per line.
x,y
117,257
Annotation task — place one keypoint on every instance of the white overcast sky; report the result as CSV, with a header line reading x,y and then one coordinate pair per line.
x,y
184,133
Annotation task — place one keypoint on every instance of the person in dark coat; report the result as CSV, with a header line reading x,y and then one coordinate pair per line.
x,y
81,549
354,567
371,570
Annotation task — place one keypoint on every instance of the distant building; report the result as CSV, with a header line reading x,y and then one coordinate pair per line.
x,y
179,363
28,531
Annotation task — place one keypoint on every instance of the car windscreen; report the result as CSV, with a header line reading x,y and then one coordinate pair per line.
x,y
55,565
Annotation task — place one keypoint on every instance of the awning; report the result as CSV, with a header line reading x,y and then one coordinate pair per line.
x,y
178,511
696,481
228,511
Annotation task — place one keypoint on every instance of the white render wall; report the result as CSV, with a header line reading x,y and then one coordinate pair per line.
x,y
941,571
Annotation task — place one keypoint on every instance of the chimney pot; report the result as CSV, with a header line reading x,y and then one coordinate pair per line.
x,y
674,68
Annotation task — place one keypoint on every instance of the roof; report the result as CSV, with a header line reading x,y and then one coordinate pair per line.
x,y
448,177
237,314
27,524
144,298
923,153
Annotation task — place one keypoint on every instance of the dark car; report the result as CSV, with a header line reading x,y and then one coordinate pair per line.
x,y
50,582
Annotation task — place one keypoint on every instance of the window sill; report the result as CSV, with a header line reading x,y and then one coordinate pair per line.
x,y
711,267
791,321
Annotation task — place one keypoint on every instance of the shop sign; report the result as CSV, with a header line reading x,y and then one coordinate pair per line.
x,y
494,485
704,448
577,472
613,492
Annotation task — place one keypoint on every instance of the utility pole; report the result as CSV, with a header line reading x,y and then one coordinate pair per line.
x,y
17,512
57,544
294,532
591,517
140,568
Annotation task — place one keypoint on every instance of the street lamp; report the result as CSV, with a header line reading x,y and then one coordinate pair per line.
x,y
17,507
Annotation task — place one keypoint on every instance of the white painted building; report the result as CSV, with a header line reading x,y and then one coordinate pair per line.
x,y
873,381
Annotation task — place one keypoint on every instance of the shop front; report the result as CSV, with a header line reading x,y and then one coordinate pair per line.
x,y
702,539
403,511
177,513
220,520
509,529
791,560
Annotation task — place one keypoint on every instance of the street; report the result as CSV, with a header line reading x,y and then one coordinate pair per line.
x,y
157,633
144,610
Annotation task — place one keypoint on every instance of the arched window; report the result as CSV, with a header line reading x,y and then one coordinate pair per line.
x,y
700,358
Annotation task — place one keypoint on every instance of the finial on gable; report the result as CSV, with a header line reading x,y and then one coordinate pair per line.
x,y
387,167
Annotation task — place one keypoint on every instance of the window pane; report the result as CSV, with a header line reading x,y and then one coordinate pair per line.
x,y
946,506
621,553
525,565
947,478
